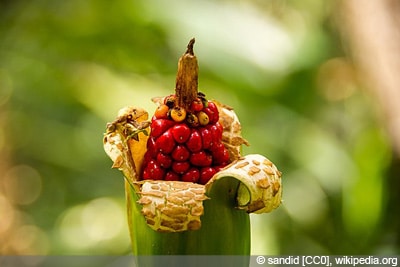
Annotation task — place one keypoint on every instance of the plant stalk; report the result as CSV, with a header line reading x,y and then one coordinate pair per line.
x,y
187,78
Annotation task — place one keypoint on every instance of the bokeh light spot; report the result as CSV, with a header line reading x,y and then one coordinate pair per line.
x,y
304,198
92,227
29,240
7,214
23,184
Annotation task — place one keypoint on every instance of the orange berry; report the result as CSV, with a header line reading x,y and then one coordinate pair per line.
x,y
161,112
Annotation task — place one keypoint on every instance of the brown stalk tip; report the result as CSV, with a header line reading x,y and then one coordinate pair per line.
x,y
187,78
190,47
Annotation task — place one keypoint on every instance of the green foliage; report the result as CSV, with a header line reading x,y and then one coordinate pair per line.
x,y
67,67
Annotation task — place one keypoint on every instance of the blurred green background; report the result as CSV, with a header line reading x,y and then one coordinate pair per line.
x,y
67,67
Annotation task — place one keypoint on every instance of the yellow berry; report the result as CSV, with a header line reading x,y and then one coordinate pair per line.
x,y
178,114
203,118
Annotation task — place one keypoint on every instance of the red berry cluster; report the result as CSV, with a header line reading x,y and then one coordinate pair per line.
x,y
185,145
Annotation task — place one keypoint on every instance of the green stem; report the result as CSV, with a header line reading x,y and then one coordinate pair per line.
x,y
225,230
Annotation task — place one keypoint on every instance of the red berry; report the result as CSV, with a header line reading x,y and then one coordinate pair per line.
x,y
213,108
164,160
180,167
201,159
165,143
192,175
219,127
181,132
216,131
172,176
196,105
216,147
147,158
206,137
151,148
153,171
220,154
180,153
225,159
206,174
160,126
194,142
210,114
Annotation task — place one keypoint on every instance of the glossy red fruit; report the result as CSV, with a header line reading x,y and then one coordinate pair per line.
x,y
219,126
219,154
153,171
224,160
213,108
206,174
206,137
172,176
147,158
196,105
201,159
164,160
180,153
160,126
217,148
181,132
192,175
210,114
180,167
165,143
216,131
151,149
194,143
